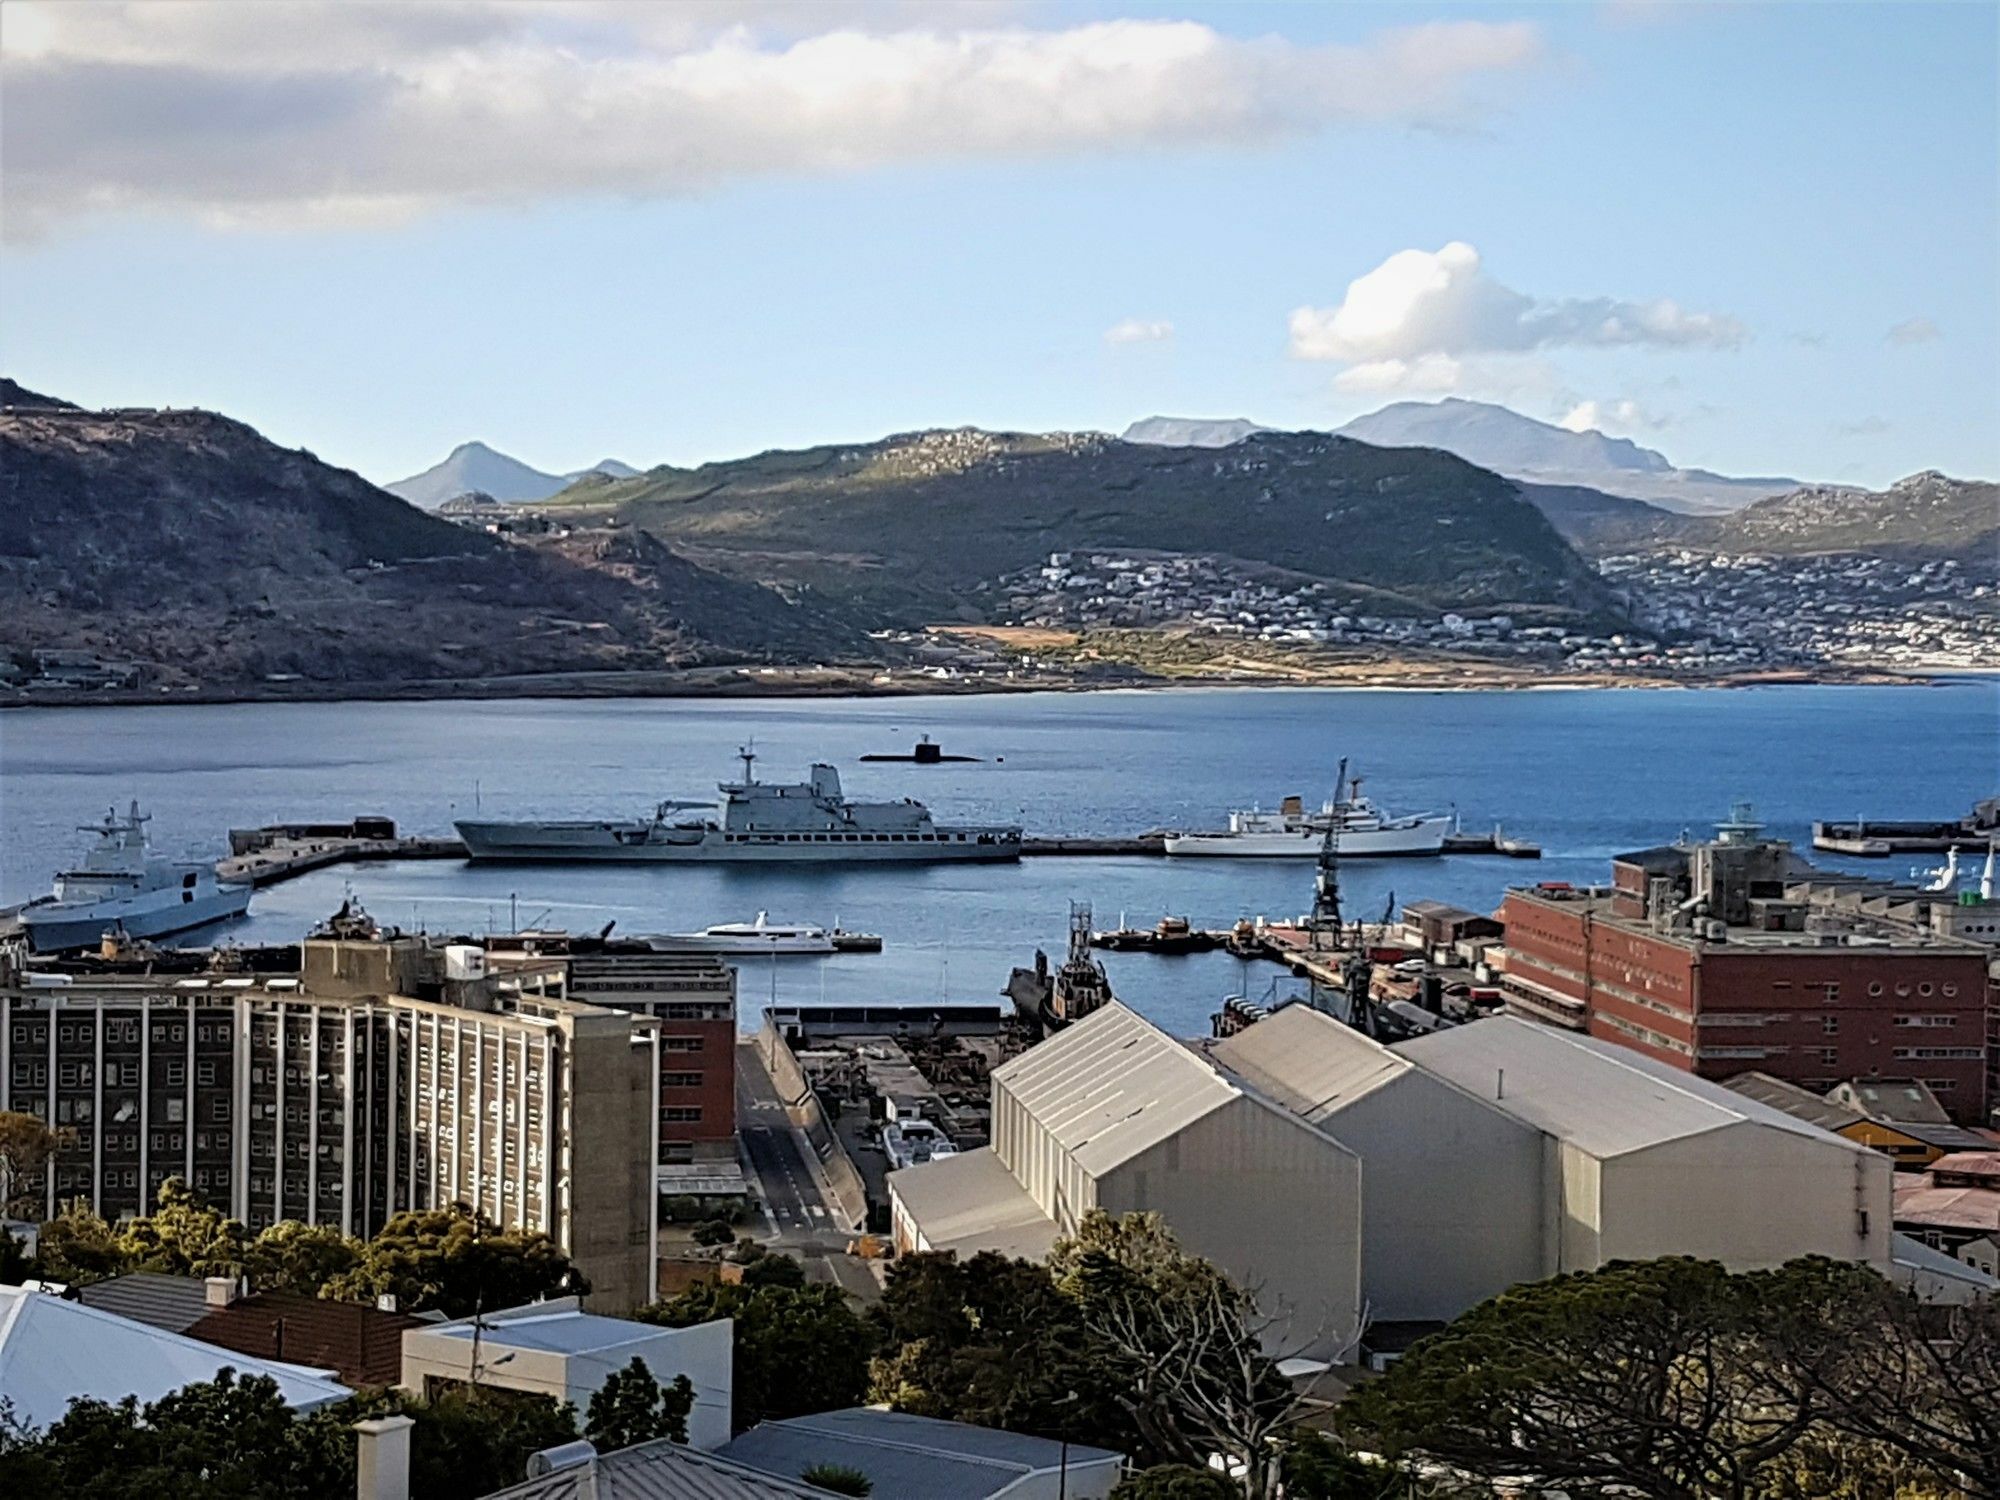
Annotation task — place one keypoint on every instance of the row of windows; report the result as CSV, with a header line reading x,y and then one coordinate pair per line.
x,y
848,838
682,1080
1940,1054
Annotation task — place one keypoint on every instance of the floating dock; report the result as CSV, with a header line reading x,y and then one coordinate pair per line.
x,y
1875,839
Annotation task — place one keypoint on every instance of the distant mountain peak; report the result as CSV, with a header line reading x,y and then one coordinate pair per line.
x,y
1522,448
478,467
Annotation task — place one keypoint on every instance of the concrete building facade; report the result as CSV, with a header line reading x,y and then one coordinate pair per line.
x,y
314,1095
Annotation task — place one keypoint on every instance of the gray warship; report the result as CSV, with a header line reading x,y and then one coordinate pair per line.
x,y
752,822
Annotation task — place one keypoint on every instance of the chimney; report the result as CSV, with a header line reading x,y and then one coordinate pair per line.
x,y
220,1291
382,1458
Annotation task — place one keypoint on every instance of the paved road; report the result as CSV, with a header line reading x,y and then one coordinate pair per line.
x,y
793,1189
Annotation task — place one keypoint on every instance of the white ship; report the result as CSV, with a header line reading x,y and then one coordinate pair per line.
x,y
123,888
1364,831
756,822
760,936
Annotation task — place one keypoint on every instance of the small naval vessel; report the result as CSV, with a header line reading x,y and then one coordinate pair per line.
x,y
807,822
122,888
1364,830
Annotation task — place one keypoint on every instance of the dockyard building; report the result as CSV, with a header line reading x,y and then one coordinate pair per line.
x,y
1641,1160
1714,958
1112,1113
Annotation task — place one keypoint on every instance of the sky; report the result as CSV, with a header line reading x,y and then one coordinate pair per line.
x,y
1764,239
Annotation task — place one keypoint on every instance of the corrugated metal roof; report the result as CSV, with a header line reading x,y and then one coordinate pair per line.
x,y
175,1303
1976,1209
1309,1062
1113,1086
971,1202
1800,1104
660,1471
52,1349
1607,1099
907,1457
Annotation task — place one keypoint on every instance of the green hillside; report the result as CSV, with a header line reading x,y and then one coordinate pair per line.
x,y
913,525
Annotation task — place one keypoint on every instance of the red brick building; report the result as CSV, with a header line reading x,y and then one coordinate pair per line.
x,y
1708,957
693,997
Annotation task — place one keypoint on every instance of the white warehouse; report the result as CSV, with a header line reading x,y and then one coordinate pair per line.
x,y
1642,1160
1349,1179
1450,1185
1113,1113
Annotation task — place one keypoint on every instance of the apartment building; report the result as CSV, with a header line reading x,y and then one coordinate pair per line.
x,y
341,1083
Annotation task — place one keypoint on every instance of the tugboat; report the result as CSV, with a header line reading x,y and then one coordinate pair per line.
x,y
123,889
1046,1002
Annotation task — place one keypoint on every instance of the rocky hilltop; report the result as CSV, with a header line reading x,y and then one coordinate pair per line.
x,y
1925,515
917,526
189,544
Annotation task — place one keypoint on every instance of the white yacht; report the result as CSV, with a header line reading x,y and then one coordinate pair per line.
x,y
121,887
1364,831
760,936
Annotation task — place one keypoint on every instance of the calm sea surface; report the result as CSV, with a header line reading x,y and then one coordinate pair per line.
x,y
1584,773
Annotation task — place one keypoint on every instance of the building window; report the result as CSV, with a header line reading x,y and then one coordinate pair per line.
x,y
679,1114
1829,1056
204,1074
176,1075
681,1080
1829,1024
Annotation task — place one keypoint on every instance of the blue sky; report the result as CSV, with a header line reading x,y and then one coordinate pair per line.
x,y
1696,226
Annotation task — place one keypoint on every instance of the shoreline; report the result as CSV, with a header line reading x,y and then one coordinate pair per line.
x,y
1438,676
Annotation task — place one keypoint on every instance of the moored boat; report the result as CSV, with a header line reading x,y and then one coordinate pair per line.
x,y
125,890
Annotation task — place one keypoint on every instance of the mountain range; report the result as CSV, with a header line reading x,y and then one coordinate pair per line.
x,y
1500,439
190,542
476,468
917,526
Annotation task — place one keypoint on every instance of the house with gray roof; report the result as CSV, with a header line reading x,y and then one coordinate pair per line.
x,y
907,1457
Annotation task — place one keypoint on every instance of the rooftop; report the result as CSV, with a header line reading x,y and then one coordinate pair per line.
x,y
1800,1104
53,1349
1606,1098
1114,1086
972,1202
908,1457
664,1470
1309,1062
555,1327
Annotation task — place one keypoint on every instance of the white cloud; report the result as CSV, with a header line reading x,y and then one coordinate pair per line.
x,y
1139,331
322,110
1914,331
1411,323
1618,418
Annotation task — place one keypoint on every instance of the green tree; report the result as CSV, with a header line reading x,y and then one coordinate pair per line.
x,y
798,1349
842,1479
304,1258
988,1340
457,1262
1315,1467
632,1407
27,1145
226,1437
16,1264
1176,1482
774,1270
1642,1378
713,1232
78,1247
183,1236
